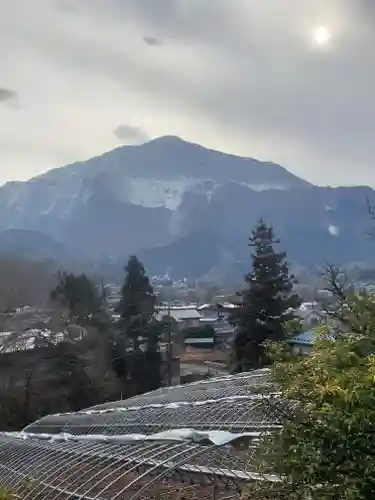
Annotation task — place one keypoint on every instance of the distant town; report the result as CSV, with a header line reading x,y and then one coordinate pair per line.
x,y
201,337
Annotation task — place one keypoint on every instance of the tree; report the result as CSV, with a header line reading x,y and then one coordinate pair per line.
x,y
137,304
80,296
136,354
326,448
79,379
16,400
81,375
267,304
70,379
69,366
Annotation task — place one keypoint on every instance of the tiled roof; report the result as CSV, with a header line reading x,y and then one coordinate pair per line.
x,y
180,314
307,338
304,338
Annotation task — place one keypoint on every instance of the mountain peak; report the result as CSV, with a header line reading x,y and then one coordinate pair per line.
x,y
169,144
166,139
162,192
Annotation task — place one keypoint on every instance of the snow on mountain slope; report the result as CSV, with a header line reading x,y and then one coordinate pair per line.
x,y
154,192
156,174
265,187
158,193
187,203
138,196
170,193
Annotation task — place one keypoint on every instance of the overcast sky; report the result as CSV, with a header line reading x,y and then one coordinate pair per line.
x,y
80,77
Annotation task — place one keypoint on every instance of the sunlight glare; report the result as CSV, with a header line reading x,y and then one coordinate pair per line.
x,y
321,35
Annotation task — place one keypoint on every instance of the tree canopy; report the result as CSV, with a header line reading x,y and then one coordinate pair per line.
x,y
136,353
137,304
267,301
79,295
326,449
82,357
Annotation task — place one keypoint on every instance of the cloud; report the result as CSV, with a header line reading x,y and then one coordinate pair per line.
x,y
150,40
67,6
7,95
236,76
130,134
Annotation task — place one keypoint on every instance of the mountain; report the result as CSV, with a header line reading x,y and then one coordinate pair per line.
x,y
33,245
184,208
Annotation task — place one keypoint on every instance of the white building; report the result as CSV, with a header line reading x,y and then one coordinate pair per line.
x,y
310,313
185,317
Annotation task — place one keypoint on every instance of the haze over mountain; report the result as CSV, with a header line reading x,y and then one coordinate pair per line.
x,y
182,208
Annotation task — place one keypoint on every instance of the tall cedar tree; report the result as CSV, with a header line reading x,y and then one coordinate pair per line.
x,y
138,331
268,301
137,304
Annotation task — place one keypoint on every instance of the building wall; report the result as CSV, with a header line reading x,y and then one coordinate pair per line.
x,y
192,323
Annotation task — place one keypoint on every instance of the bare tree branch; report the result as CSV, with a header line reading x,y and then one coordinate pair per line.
x,y
337,282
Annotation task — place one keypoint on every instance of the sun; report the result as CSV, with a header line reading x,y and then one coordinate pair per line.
x,y
322,36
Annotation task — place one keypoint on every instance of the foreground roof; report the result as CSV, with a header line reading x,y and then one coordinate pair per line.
x,y
179,442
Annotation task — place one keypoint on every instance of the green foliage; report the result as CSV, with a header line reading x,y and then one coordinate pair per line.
x,y
64,375
137,304
145,371
94,361
80,296
6,494
326,449
267,302
70,378
135,349
73,377
28,485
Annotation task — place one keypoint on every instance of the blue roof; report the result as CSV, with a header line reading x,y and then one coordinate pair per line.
x,y
304,338
307,338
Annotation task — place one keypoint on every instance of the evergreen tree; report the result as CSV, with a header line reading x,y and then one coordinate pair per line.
x,y
137,304
84,301
75,374
80,296
80,374
137,357
268,301
70,379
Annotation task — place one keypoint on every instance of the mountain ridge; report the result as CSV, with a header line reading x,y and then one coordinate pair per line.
x,y
165,148
157,197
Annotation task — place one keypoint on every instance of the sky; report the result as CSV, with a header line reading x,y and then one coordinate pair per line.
x,y
290,81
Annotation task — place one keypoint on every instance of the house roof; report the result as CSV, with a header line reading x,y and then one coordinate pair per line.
x,y
196,340
224,305
180,314
307,338
179,440
304,338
